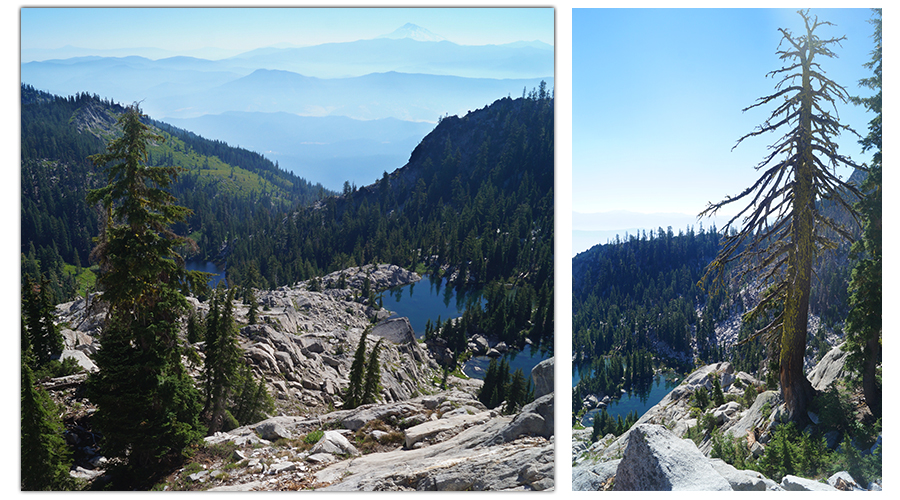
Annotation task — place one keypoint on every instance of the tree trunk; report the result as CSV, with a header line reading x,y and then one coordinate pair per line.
x,y
871,387
795,387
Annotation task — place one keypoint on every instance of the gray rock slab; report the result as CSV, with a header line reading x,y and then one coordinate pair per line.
x,y
396,330
335,443
794,483
454,425
740,480
543,375
591,477
657,460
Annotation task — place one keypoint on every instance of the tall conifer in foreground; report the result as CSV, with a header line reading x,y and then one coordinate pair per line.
x,y
782,231
372,386
864,319
148,409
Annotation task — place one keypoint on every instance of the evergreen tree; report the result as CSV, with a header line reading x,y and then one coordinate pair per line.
x,y
195,330
354,394
148,409
864,318
717,394
251,401
45,456
44,336
518,392
783,233
253,312
372,386
220,369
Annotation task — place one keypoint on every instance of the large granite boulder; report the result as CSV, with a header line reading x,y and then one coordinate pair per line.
x,y
657,460
535,419
334,443
542,374
829,369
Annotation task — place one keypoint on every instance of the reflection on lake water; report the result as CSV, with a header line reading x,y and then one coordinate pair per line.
x,y
431,298
428,298
638,401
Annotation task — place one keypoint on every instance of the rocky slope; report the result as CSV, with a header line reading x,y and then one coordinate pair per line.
x,y
654,454
429,432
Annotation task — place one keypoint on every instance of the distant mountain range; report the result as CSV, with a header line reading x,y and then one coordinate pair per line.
x,y
411,75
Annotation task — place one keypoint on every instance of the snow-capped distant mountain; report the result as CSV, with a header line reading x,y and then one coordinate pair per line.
x,y
414,32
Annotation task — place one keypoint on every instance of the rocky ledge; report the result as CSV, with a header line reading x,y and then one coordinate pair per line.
x,y
654,455
446,441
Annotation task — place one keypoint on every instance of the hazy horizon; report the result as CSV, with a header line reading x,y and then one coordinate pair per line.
x,y
228,30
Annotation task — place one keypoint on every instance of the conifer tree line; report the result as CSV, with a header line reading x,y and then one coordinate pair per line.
x,y
502,388
630,294
604,424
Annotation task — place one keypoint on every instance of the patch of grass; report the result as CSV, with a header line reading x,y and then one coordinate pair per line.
x,y
85,278
223,450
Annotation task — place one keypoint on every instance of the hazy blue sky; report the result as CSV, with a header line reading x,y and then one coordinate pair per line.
x,y
246,29
657,99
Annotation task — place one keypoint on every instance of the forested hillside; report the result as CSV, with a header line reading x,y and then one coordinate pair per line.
x,y
636,298
474,203
226,187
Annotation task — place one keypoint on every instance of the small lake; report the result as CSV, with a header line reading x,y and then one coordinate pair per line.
x,y
526,360
637,401
430,298
207,267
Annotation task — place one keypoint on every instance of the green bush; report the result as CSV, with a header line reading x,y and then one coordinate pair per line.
x,y
864,469
793,452
314,436
750,394
733,450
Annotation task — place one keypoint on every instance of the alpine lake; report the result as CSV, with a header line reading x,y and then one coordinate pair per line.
x,y
431,298
638,400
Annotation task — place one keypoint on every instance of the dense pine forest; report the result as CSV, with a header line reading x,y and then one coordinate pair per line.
x,y
639,298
